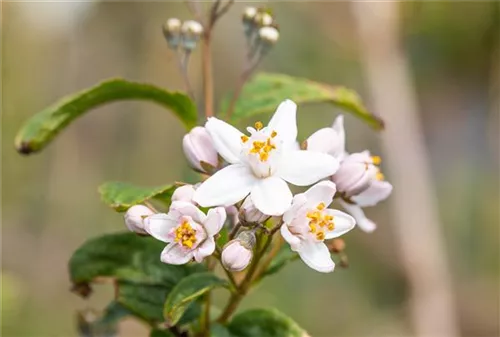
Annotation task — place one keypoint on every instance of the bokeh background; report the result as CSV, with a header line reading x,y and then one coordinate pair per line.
x,y
50,203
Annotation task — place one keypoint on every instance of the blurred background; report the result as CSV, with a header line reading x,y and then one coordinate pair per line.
x,y
50,203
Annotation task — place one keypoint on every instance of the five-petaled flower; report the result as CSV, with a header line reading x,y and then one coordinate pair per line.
x,y
262,163
187,230
308,223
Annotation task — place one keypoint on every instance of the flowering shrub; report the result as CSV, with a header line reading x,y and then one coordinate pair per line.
x,y
240,222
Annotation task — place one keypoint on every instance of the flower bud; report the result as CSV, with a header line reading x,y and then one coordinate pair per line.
x,y
191,34
199,150
263,18
355,174
268,36
238,253
249,14
134,218
172,32
249,213
183,193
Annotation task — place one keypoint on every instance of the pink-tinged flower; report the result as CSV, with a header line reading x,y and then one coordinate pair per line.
x,y
378,191
356,172
184,193
250,213
329,140
262,163
187,230
135,216
238,253
199,149
308,223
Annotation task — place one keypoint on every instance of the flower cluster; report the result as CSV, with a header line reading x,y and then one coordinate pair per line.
x,y
248,181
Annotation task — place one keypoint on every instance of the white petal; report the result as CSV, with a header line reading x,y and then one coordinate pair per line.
x,y
361,220
324,141
338,126
378,191
284,122
303,168
175,254
226,139
215,220
322,192
159,225
343,223
205,249
299,201
271,196
317,256
188,209
292,240
226,187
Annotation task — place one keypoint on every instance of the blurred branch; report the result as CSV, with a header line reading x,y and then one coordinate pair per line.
x,y
417,227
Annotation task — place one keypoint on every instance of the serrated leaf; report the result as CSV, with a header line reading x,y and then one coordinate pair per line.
x,y
266,91
125,256
187,291
44,126
264,323
121,196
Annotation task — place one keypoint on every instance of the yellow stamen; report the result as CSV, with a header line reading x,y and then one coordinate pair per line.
x,y
320,236
379,176
244,139
274,134
185,234
319,218
258,125
264,156
321,206
376,160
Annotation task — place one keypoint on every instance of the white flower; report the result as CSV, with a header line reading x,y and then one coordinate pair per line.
x,y
199,149
329,140
308,223
187,230
238,253
356,172
134,218
261,164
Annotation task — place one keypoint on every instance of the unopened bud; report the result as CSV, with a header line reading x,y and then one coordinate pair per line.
x,y
238,253
250,213
263,18
249,14
336,245
268,36
199,150
183,193
191,34
354,174
134,218
172,32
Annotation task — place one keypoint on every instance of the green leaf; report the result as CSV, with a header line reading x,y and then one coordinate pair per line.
x,y
125,256
218,330
145,301
264,323
266,91
187,291
114,313
121,196
160,333
44,126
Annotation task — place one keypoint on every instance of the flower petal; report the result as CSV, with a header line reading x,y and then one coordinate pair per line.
x,y
338,125
226,187
175,254
271,196
361,220
180,208
317,256
324,141
299,201
159,226
215,220
378,191
284,122
206,248
226,139
303,168
292,240
343,223
322,192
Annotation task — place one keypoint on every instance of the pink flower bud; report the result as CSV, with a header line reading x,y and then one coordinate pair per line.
x,y
355,174
134,218
237,253
198,147
249,213
184,193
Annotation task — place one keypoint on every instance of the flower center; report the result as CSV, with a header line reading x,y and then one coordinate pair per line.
x,y
262,148
185,235
376,160
319,221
